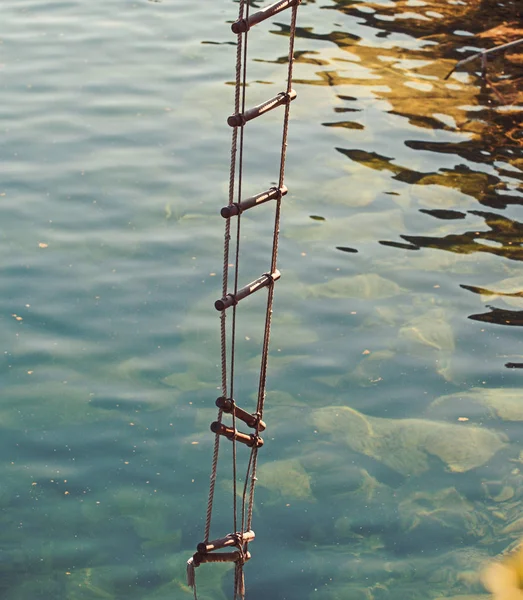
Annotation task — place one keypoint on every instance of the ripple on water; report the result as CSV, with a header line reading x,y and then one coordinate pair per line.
x,y
115,154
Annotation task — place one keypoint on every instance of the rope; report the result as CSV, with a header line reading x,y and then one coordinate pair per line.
x,y
227,383
225,273
276,234
241,65
212,484
241,82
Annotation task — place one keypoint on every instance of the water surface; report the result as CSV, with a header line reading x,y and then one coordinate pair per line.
x,y
400,252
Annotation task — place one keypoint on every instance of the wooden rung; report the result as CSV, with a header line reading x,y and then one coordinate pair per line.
x,y
247,439
198,558
228,406
232,299
231,539
238,207
238,120
243,25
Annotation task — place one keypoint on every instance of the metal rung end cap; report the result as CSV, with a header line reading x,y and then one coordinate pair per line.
x,y
240,119
243,25
224,303
228,406
231,210
231,299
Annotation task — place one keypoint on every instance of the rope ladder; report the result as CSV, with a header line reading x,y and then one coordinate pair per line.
x,y
233,547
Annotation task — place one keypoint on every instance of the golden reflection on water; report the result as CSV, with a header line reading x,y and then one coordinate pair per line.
x,y
403,64
466,167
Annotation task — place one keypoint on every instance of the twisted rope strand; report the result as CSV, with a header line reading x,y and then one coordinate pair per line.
x,y
241,81
235,177
262,387
226,252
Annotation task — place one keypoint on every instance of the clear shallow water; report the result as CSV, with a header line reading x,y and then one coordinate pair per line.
x,y
114,164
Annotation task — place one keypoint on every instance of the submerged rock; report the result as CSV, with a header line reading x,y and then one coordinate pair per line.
x,y
503,403
462,565
210,579
188,381
465,597
286,480
369,370
365,287
359,228
431,330
431,334
444,515
99,582
406,444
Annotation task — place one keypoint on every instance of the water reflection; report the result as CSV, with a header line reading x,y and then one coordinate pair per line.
x,y
504,238
500,317
486,188
442,159
388,65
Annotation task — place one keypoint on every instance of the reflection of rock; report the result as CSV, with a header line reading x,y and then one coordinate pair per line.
x,y
406,444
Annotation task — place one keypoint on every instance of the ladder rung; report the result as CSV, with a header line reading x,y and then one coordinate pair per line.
x,y
243,25
198,558
228,406
251,113
231,539
232,299
238,207
247,439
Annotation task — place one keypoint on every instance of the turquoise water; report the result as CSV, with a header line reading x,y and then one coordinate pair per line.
x,y
114,154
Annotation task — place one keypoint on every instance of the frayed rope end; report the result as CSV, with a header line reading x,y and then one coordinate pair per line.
x,y
190,573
